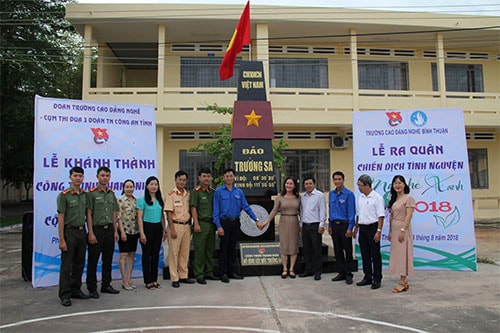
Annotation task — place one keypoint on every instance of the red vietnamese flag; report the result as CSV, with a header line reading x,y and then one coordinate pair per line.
x,y
241,37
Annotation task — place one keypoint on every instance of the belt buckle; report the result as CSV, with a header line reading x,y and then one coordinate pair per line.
x,y
105,227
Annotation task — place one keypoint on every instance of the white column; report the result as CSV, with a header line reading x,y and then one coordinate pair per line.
x,y
160,97
87,57
354,70
262,51
440,68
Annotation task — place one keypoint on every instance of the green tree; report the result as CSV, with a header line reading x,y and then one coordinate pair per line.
x,y
222,147
40,54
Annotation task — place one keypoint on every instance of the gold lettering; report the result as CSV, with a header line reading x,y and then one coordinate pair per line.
x,y
252,74
246,84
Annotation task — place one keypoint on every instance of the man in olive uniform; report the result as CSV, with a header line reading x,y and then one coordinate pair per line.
x,y
71,208
102,212
200,202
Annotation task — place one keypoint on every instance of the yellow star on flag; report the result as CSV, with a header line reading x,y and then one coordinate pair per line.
x,y
253,119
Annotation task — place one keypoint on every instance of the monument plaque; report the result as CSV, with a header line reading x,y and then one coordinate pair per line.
x,y
258,254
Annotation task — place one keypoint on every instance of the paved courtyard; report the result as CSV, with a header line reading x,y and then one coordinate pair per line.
x,y
438,301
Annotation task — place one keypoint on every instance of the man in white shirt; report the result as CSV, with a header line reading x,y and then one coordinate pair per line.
x,y
312,226
370,219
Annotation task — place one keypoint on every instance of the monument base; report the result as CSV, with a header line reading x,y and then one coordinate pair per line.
x,y
329,265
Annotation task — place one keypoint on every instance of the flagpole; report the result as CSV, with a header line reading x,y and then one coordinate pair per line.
x,y
249,45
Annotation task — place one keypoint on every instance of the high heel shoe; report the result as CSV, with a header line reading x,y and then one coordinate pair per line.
x,y
127,288
401,288
292,275
284,274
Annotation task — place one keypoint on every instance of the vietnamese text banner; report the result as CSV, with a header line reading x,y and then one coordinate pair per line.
x,y
88,134
428,148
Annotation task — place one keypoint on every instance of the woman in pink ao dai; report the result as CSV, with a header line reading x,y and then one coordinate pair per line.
x,y
401,206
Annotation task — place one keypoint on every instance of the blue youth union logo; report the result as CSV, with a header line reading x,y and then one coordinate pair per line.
x,y
418,118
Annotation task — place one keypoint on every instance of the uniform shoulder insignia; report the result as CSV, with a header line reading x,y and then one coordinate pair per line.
x,y
66,191
83,191
197,188
212,188
111,190
93,189
171,192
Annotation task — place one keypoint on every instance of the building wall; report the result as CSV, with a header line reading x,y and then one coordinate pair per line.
x,y
329,109
140,78
486,201
110,71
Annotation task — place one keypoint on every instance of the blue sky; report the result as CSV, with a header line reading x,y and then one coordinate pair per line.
x,y
472,7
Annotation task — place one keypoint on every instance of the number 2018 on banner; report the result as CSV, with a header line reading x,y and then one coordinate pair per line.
x,y
434,206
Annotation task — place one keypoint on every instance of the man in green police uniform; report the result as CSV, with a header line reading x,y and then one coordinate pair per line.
x,y
102,212
71,208
204,227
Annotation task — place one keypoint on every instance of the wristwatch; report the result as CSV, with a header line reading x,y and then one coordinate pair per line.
x,y
379,230
403,230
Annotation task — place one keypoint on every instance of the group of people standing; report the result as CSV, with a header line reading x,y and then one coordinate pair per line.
x,y
108,220
93,221
347,217
370,214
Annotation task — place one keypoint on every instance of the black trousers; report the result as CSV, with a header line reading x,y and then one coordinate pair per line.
x,y
227,257
105,246
370,252
342,247
151,251
72,262
311,242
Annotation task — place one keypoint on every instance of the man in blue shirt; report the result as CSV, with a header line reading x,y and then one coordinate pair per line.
x,y
228,203
342,216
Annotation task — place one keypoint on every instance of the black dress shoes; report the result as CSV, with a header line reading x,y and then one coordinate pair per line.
x,y
187,281
109,290
364,282
339,277
224,278
317,276
348,279
175,284
376,285
305,274
201,281
66,301
211,277
236,276
80,295
93,294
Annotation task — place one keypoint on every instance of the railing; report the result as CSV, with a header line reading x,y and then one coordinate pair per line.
x,y
486,207
287,99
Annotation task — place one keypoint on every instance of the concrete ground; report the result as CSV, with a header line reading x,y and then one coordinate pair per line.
x,y
438,301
